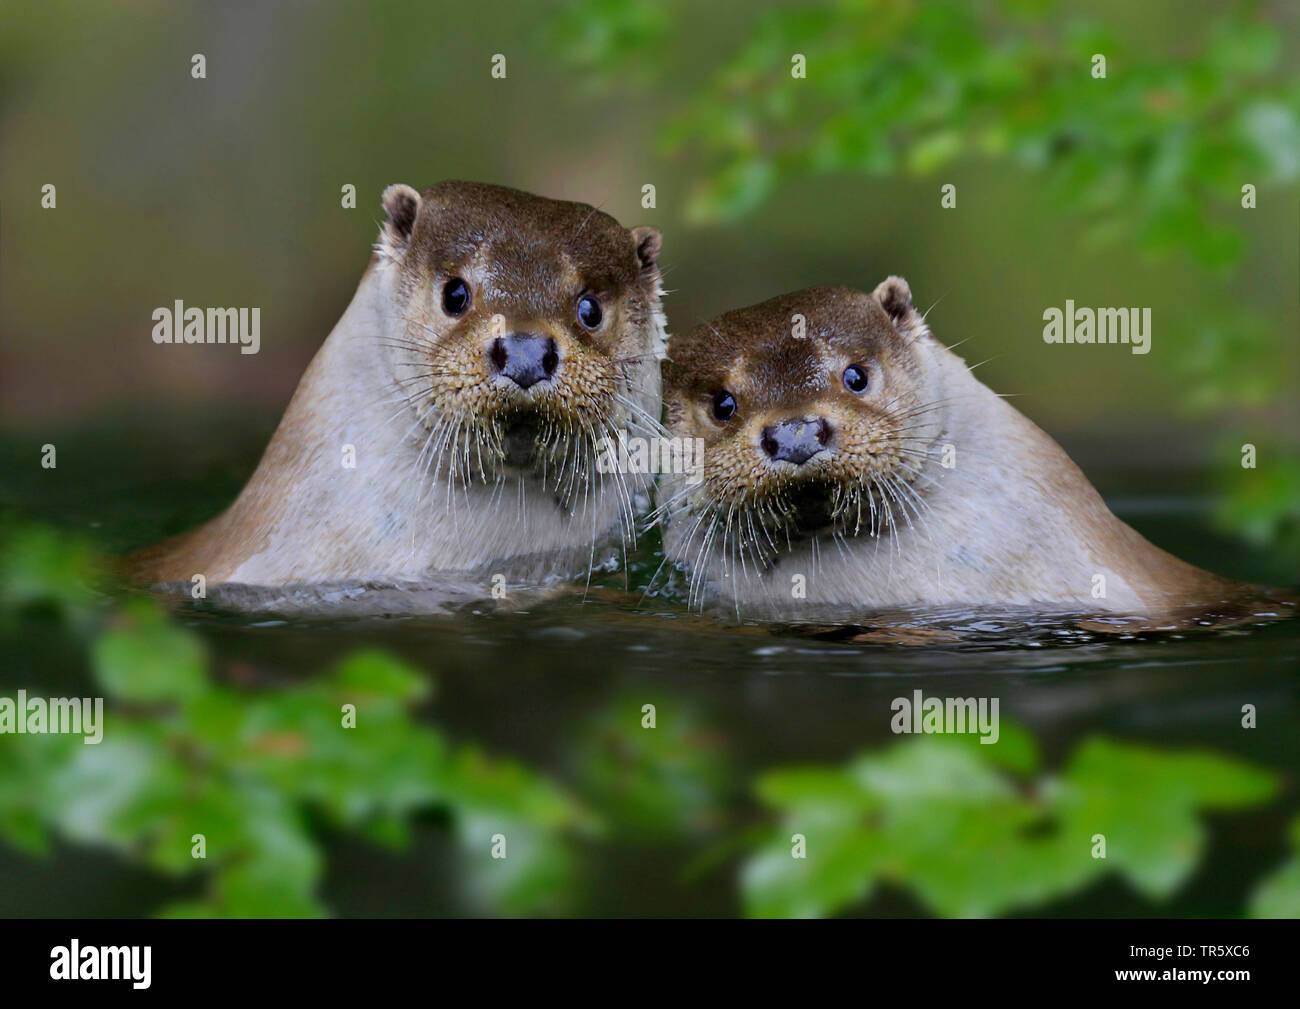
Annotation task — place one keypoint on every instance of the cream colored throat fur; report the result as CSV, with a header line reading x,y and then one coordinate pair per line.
x,y
306,518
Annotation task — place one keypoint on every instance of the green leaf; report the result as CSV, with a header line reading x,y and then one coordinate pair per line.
x,y
42,564
376,672
1273,131
149,661
1145,802
940,816
1278,896
1244,48
732,192
652,783
840,865
536,874
934,151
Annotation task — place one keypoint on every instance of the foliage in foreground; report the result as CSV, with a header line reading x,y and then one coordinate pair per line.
x,y
259,772
264,773
973,830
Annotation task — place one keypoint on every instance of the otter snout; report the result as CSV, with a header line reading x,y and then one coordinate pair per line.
x,y
796,440
524,358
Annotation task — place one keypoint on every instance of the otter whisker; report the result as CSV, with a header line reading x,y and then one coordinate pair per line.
x,y
640,413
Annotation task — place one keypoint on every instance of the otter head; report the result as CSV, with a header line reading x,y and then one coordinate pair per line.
x,y
526,330
817,417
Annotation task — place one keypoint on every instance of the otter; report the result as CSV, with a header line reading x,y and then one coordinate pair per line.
x,y
452,420
852,463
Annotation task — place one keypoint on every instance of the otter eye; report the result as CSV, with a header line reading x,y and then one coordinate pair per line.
x,y
855,378
455,296
589,313
724,405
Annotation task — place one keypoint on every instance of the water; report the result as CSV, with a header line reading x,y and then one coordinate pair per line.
x,y
537,684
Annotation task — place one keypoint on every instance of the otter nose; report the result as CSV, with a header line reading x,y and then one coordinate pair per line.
x,y
796,440
523,358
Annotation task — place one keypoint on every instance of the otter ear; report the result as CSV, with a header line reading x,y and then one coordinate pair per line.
x,y
647,241
400,204
895,298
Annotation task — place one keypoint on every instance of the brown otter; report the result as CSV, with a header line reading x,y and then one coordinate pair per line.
x,y
452,420
853,462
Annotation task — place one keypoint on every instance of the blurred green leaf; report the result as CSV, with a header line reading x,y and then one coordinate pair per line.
x,y
732,192
1278,896
941,817
1145,801
1263,502
610,37
667,781
41,564
934,151
503,800
148,660
1243,47
1273,130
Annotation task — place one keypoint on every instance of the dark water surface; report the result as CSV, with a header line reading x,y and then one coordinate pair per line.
x,y
530,684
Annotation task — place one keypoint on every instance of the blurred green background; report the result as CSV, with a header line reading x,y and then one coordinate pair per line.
x,y
226,191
